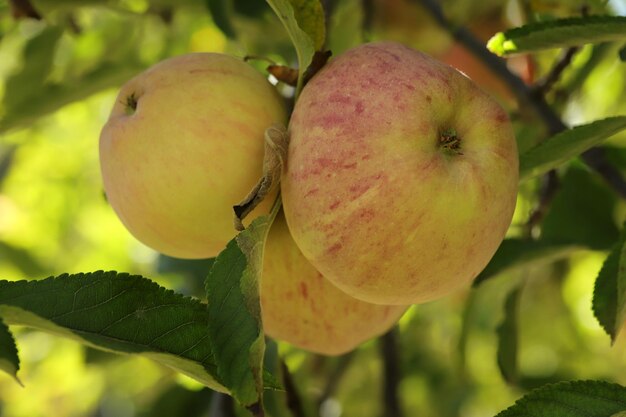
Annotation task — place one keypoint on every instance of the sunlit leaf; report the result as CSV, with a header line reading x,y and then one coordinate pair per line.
x,y
9,360
118,312
567,399
50,98
609,296
37,60
516,253
566,145
310,17
289,12
558,34
235,327
508,337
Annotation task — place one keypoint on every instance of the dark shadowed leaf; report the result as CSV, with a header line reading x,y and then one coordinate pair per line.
x,y
571,399
117,312
518,253
235,328
508,337
609,296
221,13
582,212
566,145
50,98
9,361
559,33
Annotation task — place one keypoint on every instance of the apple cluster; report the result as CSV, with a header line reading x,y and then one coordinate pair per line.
x,y
399,183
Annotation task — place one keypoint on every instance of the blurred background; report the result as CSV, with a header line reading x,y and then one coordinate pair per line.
x,y
61,63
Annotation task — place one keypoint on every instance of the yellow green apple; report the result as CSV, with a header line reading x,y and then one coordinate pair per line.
x,y
183,144
301,307
401,175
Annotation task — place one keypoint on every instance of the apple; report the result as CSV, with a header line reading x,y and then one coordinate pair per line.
x,y
301,307
401,175
183,144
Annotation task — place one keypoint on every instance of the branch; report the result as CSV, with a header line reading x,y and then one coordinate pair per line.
x,y
222,405
389,352
549,187
294,403
595,158
526,97
343,363
545,84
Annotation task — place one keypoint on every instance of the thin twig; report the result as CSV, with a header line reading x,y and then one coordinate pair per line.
x,y
526,96
222,405
595,158
389,352
294,403
546,83
549,187
343,363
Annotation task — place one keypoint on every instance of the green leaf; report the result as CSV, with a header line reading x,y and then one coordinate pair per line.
x,y
516,253
570,399
346,26
235,327
559,33
21,259
507,337
9,361
310,17
566,145
581,212
50,98
609,296
120,313
220,12
301,20
37,60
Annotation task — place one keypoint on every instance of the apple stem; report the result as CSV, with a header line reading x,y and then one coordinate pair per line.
x,y
450,141
276,143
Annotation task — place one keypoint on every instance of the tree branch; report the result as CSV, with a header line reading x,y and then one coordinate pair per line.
x,y
549,187
545,84
294,403
222,405
343,363
391,380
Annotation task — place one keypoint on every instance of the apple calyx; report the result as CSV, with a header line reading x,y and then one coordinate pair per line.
x,y
131,104
276,142
450,142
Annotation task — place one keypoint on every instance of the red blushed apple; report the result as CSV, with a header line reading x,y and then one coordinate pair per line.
x,y
183,144
301,307
401,176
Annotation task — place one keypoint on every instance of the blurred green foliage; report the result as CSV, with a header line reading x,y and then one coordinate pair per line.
x,y
58,80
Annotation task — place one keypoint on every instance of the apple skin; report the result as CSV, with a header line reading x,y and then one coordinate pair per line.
x,y
373,199
193,147
301,307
